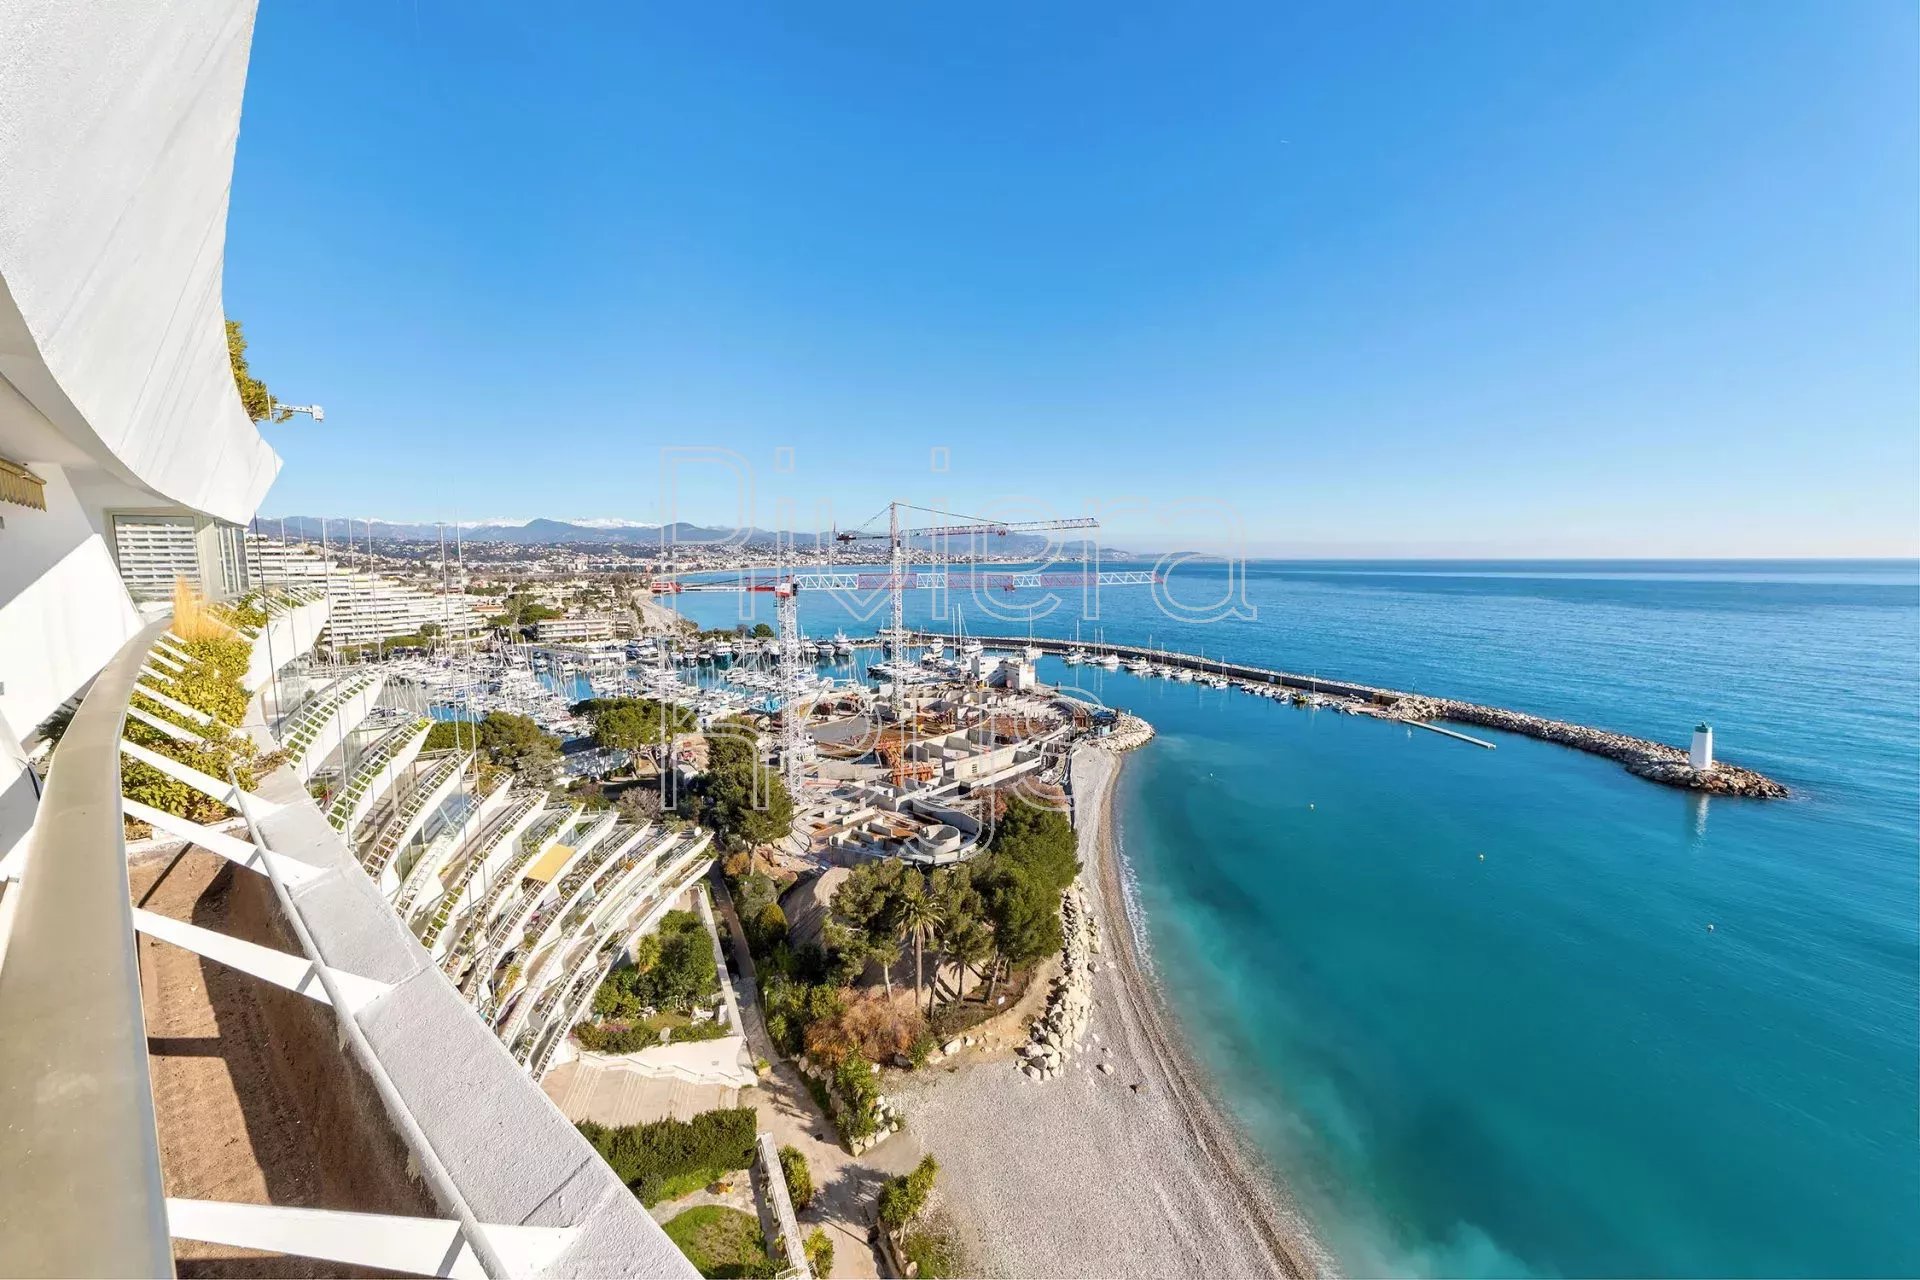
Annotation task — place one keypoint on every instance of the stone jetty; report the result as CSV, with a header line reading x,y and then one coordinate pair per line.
x,y
1058,1030
1642,757
1655,761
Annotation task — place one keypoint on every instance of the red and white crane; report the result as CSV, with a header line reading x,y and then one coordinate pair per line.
x,y
898,539
785,588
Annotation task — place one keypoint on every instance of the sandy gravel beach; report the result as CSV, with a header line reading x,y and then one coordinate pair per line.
x,y
1084,1175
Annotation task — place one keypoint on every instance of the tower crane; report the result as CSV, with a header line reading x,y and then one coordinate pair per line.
x,y
898,538
786,588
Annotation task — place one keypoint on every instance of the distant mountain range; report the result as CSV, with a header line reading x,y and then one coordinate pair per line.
x,y
604,532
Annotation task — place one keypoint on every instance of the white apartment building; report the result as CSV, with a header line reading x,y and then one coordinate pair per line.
x,y
587,627
366,607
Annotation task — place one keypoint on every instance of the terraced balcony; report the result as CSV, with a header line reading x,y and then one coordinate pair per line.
x,y
511,825
593,959
510,926
434,780
543,835
547,924
635,904
493,795
363,786
304,734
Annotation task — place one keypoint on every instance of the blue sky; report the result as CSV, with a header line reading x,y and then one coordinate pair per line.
x,y
1503,279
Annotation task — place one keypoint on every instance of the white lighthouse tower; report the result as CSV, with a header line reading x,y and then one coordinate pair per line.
x,y
1700,754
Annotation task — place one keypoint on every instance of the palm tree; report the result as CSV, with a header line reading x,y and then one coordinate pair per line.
x,y
967,947
916,915
961,929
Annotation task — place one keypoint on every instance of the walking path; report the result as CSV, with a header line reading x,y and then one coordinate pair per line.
x,y
607,1092
845,1187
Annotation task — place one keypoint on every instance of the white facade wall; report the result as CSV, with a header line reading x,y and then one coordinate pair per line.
x,y
117,134
366,607
117,131
591,627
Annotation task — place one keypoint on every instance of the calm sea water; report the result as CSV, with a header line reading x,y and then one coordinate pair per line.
x,y
1541,1060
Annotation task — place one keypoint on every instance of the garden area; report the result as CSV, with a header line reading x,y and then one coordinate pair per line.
x,y
664,994
721,1242
210,680
967,937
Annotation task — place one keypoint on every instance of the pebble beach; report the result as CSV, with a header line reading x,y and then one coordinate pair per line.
x,y
1127,1171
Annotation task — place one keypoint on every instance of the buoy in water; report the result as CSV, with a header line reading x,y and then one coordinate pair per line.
x,y
1709,928
1309,804
1483,857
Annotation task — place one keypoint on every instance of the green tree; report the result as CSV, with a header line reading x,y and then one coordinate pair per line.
x,y
254,396
960,929
512,741
743,802
885,952
1025,917
1039,843
639,725
916,916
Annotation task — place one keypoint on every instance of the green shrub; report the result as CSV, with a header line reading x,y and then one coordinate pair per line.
x,y
933,1252
673,969
769,928
921,1049
793,1167
645,1156
711,1029
857,1085
209,681
819,1252
902,1198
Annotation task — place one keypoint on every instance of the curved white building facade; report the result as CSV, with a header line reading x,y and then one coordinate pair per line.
x,y
117,131
126,459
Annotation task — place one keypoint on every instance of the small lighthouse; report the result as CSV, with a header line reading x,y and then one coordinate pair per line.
x,y
1700,754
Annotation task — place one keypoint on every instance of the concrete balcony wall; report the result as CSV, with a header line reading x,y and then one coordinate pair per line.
x,y
63,612
287,636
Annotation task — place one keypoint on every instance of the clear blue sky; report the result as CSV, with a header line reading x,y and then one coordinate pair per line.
x,y
1514,278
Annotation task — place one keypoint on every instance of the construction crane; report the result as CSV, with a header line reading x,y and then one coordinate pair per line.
x,y
786,588
898,538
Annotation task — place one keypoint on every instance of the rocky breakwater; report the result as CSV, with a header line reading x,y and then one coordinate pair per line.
x,y
1654,761
1058,1030
1129,731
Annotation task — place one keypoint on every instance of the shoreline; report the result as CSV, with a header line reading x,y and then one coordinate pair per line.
x,y
1243,1173
1122,1164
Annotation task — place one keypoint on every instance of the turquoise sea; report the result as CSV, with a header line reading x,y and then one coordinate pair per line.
x,y
1543,1061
